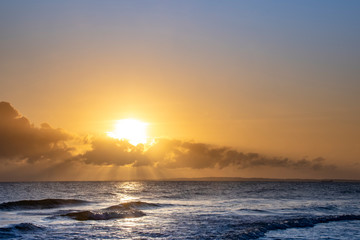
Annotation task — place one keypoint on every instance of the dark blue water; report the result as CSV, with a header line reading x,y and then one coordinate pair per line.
x,y
180,210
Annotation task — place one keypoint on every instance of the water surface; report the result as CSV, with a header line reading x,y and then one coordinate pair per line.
x,y
180,210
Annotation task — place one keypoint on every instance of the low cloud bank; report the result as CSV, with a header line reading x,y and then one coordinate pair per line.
x,y
168,153
20,140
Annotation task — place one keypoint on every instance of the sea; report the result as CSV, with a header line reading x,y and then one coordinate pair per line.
x,y
180,210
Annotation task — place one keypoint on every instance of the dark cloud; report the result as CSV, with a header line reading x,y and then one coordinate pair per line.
x,y
109,151
167,153
180,154
20,140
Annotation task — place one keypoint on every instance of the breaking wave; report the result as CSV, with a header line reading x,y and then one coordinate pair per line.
x,y
259,229
123,210
14,229
137,204
39,204
104,214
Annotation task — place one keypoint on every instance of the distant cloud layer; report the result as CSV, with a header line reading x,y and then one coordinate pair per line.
x,y
20,140
168,153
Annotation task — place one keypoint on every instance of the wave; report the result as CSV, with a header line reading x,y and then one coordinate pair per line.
x,y
137,204
12,230
108,194
312,207
104,214
39,204
259,229
254,210
350,191
123,210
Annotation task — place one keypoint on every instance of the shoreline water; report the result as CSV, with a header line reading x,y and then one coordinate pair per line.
x,y
179,210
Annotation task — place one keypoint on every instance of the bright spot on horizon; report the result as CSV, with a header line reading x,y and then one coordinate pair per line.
x,y
130,129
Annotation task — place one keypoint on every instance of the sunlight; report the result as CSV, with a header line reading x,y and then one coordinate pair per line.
x,y
130,129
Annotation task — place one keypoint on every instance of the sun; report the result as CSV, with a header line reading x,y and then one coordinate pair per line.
x,y
130,129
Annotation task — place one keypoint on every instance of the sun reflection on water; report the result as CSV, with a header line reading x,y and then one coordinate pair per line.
x,y
126,190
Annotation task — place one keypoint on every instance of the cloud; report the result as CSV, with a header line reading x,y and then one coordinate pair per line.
x,y
182,154
169,153
20,140
109,151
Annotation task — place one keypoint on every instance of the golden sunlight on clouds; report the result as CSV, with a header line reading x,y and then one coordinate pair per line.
x,y
130,129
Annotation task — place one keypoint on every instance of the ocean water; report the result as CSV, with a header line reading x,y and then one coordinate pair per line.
x,y
180,210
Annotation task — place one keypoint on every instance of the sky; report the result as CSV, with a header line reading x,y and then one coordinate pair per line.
x,y
228,88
